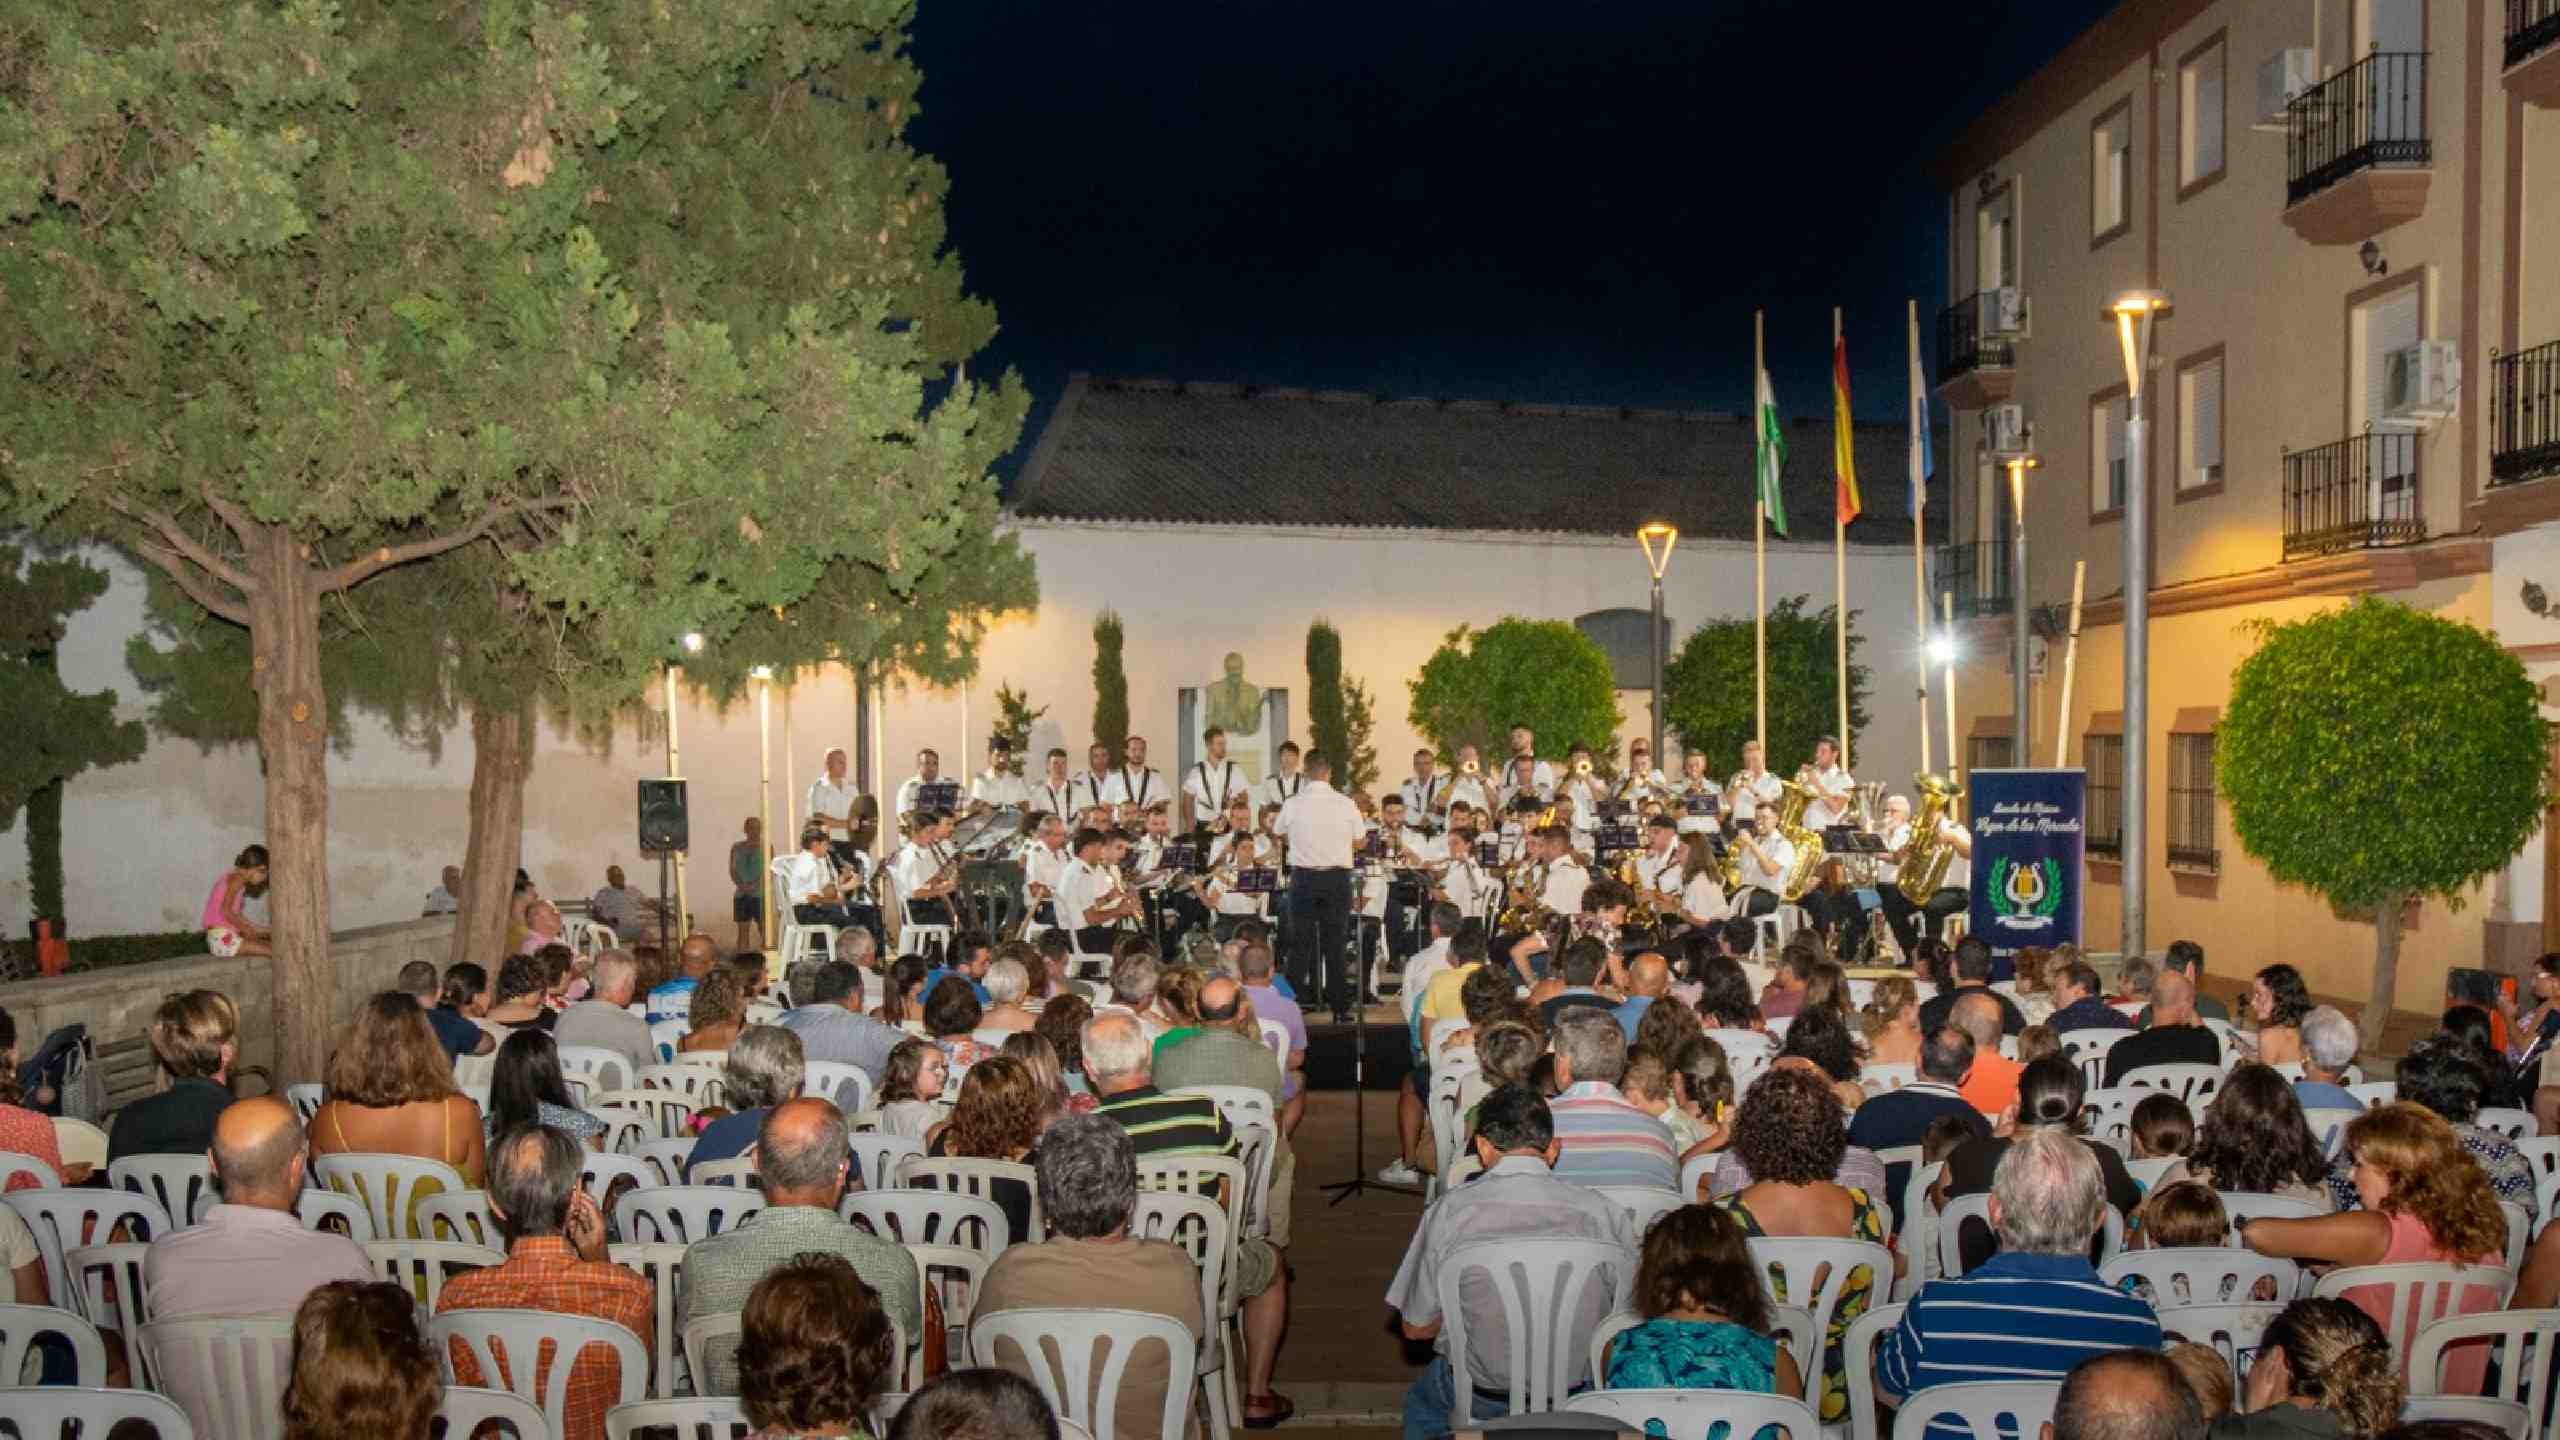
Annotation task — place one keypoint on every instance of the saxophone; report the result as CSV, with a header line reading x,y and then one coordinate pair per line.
x,y
1641,912
1924,858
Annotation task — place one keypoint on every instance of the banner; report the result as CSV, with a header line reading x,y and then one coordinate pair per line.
x,y
2027,826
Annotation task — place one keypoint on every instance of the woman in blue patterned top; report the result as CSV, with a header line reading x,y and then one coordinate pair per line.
x,y
527,1089
1707,1314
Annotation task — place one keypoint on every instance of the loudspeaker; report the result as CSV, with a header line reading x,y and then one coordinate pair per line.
x,y
663,824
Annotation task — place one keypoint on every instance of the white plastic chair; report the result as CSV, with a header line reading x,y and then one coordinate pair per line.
x,y
468,1407
1078,1358
228,1372
316,1209
702,1086
737,1170
14,1164
2519,1234
2250,1206
44,1412
1919,1229
1961,1208
22,1325
2514,1124
878,1154
2503,1334
1275,1038
1240,1104
1535,1282
663,1034
806,941
2194,1084
1793,1324
420,1266
849,1086
2110,1111
1207,1235
389,1187
928,1217
2188,1275
306,1100
1446,1112
2147,1173
2327,1125
1695,1173
1980,1406
1643,1203
2543,1151
65,1220
1813,1272
2376,1092
1884,1079
717,1418
461,1216
668,1112
665,1160
1858,1356
662,1265
2088,1050
2506,1416
557,1344
682,1214
967,1176
107,1286
2546,1196
602,1069
179,1182
476,1072
2232,1329
955,1275
2418,1295
599,1173
1695,1412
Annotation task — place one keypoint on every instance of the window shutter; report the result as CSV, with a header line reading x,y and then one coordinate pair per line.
x,y
2208,116
2116,414
2205,417
2390,324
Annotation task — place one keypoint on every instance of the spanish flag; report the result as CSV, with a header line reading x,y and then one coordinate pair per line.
x,y
1844,460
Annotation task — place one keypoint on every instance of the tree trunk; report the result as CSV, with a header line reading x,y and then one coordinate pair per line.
x,y
2386,971
284,644
497,833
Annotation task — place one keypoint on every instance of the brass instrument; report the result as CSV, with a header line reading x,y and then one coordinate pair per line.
x,y
1792,800
1642,913
1524,908
1925,858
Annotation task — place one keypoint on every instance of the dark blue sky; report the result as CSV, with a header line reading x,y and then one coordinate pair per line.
x,y
1478,198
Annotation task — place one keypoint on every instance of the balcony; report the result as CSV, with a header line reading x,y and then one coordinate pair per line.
x,y
2524,414
1977,575
2533,51
2357,158
1977,365
2360,493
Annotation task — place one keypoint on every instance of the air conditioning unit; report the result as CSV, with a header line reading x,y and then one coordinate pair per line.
x,y
2419,383
2284,75
2004,429
2004,313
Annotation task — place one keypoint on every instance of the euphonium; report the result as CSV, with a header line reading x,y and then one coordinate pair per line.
x,y
1924,859
1792,800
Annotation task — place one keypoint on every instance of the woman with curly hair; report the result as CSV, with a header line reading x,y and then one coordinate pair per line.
x,y
2279,1000
519,996
2255,1141
911,1087
2424,1199
1890,1021
1062,1025
2324,1372
999,1117
1667,1024
718,1013
1790,1135
813,1349
1707,1316
361,1365
390,1091
1821,1036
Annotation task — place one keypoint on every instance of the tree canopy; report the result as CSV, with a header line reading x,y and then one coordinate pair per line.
x,y
2375,755
1544,674
1110,686
55,732
1710,700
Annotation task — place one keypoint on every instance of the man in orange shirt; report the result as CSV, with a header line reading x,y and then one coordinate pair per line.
x,y
1991,1086
555,1262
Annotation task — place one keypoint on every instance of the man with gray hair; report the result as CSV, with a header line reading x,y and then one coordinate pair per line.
x,y
1604,1140
765,1068
804,1161
1133,982
2328,1050
1088,1178
830,1020
604,1020
2036,1307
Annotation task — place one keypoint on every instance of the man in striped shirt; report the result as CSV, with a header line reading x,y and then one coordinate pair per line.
x,y
2035,1309
1603,1140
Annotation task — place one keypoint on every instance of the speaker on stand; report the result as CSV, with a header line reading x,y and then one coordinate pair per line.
x,y
666,829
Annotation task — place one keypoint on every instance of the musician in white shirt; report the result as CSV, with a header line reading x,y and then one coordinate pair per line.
x,y
1658,864
1520,777
1462,881
1899,913
1640,780
1695,787
1320,825
1524,746
1831,785
1282,785
1753,786
1470,784
1056,792
1091,899
814,888
832,801
1426,795
1405,847
928,772
1586,789
1093,787
999,783
1236,848
1702,899
922,885
1044,866
1566,876
1133,784
1766,856
1210,784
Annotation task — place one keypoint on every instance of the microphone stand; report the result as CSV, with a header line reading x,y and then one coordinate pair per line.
x,y
1361,1180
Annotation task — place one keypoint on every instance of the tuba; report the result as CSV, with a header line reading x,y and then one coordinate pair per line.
x,y
1793,799
1924,858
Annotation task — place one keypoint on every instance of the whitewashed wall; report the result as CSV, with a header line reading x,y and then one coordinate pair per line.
x,y
143,842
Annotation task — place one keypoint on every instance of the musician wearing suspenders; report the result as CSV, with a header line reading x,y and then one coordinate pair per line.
x,y
1210,785
1056,792
1426,795
1093,787
920,866
1282,785
1133,784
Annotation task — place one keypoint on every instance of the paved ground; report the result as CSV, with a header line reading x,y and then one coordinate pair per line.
x,y
1343,1360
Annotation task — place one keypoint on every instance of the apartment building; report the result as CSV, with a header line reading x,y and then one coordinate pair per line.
x,y
2353,208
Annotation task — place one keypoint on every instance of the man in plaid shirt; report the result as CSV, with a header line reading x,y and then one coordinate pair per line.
x,y
555,1262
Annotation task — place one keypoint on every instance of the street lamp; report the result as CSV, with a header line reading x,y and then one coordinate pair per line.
x,y
2018,465
691,642
763,676
1657,538
1944,649
2133,314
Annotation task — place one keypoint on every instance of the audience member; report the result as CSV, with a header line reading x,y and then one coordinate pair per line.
x,y
717,1013
1254,965
2127,1395
2174,1035
814,1350
2279,999
1821,1039
361,1366
764,1069
1890,1021
603,1021
1008,982
544,926
911,1088
803,1162
391,1092
696,956
973,953
2160,1127
2185,958
1648,980
1972,967
528,1089
1035,1052
951,1015
1518,1197
2134,978
1088,1176
1783,997
630,913
1603,1139
466,994
2080,1002
2323,1371
1062,1024
981,1404
2049,1094
999,1117
2177,1214
1707,1316
446,898
556,1263
902,994
24,1131
522,983
195,1037
1991,1082
1227,1049
1902,1117
2208,1377
2328,1052
2443,1077
830,1022
457,1032
2254,1141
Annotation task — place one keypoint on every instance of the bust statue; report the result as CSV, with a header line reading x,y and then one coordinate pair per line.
x,y
1233,704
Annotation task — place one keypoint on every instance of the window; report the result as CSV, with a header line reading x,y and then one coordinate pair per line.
x,y
1987,752
2390,323
2191,805
2200,117
2103,756
2107,472
2111,173
1996,240
2200,424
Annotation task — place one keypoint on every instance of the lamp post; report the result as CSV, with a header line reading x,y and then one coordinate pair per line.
x,y
692,642
1657,539
764,795
2019,700
2132,315
1942,649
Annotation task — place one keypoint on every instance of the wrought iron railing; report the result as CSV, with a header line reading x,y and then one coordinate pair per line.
x,y
1966,342
2524,413
2374,112
2359,493
2532,26
1977,575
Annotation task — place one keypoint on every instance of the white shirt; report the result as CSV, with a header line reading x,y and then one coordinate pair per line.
x,y
916,866
1822,812
1211,784
1467,887
1057,799
1755,793
1222,899
1428,799
1321,826
1126,786
1080,888
1566,880
441,901
912,787
1541,774
1704,898
1587,792
1660,872
1090,789
1960,870
1895,837
1426,965
1043,866
1782,856
1470,788
828,798
1278,789
1005,789
1401,839
804,875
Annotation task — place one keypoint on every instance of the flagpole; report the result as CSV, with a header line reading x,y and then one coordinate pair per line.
x,y
1947,626
1759,544
1919,539
1840,577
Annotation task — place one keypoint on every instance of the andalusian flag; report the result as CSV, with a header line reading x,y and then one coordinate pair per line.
x,y
1844,458
1771,457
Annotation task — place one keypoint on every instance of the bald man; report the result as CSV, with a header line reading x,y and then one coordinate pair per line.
x,y
1648,980
694,960
1991,1083
2125,1395
2177,1035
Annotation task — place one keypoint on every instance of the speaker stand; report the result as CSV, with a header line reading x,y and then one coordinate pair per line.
x,y
663,903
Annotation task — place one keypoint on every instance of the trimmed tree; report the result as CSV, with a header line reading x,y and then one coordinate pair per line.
x,y
1709,700
55,733
1110,686
1359,728
648,306
1328,710
1544,674
2348,772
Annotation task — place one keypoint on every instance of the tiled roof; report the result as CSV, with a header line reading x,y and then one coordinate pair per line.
x,y
1152,450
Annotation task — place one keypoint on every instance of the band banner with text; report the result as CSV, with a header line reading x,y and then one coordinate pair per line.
x,y
2028,832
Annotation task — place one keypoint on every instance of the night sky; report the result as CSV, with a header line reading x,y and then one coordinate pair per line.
x,y
1493,200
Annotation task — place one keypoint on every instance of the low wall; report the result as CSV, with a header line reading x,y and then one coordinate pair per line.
x,y
117,1004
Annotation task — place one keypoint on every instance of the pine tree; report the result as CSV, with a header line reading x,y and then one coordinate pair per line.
x,y
1110,686
54,733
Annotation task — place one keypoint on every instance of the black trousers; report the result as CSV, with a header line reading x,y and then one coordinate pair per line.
x,y
1841,911
1320,927
1755,902
1909,921
1097,939
845,917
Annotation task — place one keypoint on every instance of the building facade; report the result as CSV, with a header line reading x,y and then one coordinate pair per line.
x,y
2349,205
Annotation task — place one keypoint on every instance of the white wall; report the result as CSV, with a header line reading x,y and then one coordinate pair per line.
x,y
143,842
